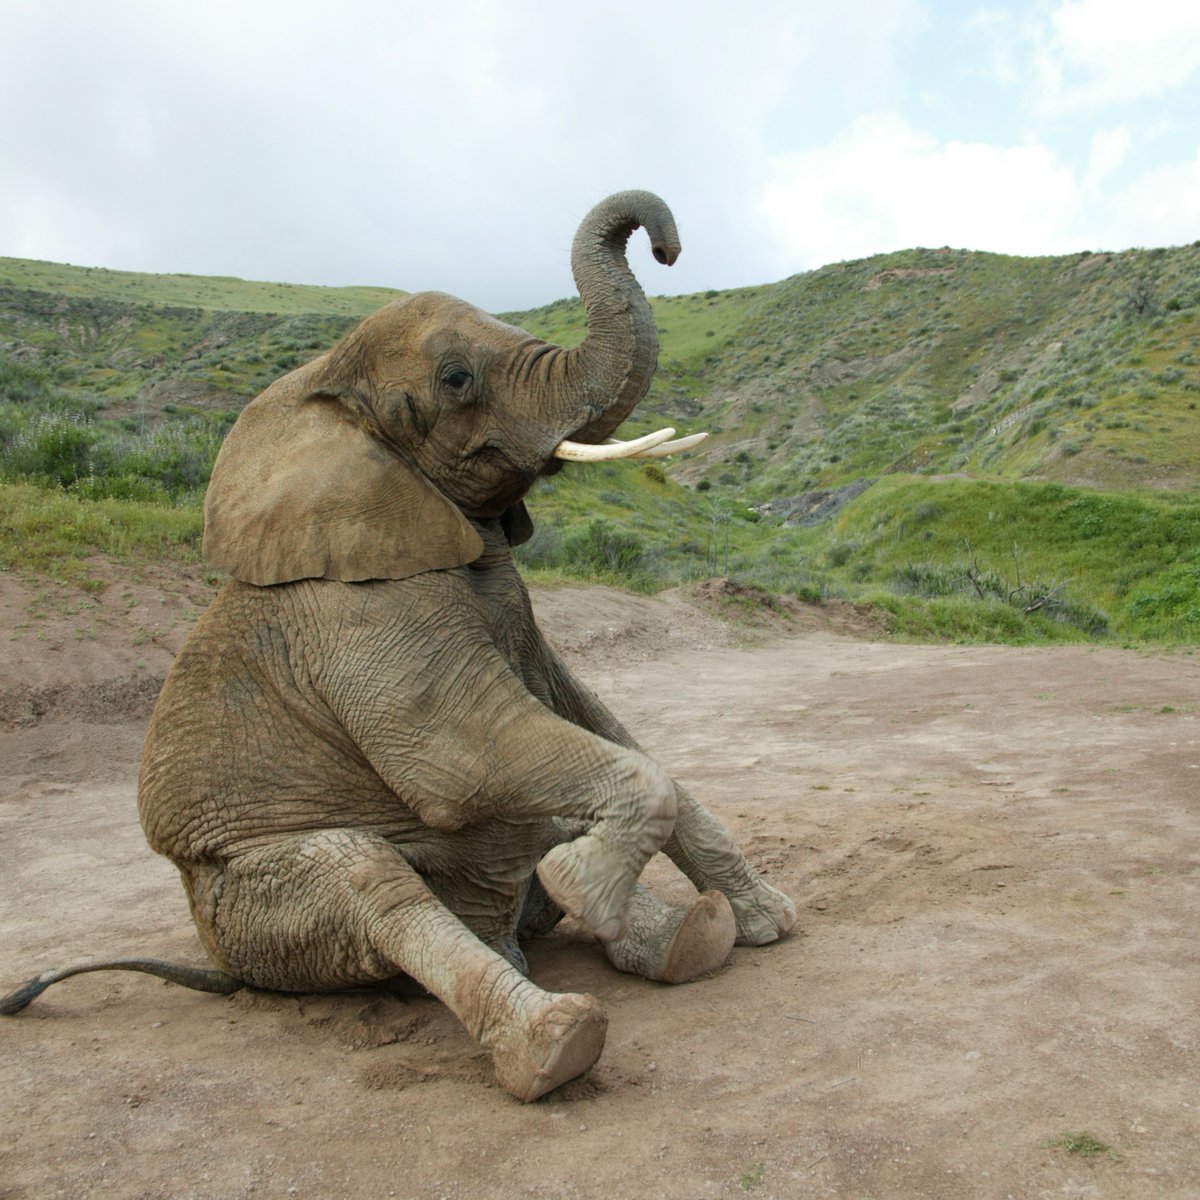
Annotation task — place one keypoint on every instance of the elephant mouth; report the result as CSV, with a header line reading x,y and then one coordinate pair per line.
x,y
659,444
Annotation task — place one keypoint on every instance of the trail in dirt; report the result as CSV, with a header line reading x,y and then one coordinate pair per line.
x,y
996,857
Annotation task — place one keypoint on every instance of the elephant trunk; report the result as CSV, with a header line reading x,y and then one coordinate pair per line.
x,y
609,373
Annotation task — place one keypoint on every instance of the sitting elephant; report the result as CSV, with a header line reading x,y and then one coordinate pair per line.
x,y
366,762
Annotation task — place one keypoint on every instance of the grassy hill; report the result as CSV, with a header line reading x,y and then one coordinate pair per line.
x,y
219,292
983,445
1082,369
149,344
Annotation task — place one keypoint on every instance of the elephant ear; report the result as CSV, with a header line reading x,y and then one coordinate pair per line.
x,y
301,491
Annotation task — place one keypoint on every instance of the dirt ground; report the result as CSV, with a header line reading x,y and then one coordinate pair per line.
x,y
994,851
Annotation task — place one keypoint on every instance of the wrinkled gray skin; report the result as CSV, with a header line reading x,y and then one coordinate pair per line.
x,y
366,761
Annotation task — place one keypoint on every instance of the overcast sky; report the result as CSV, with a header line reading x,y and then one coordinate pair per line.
x,y
455,144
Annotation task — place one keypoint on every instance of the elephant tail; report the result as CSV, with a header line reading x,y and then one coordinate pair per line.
x,y
200,979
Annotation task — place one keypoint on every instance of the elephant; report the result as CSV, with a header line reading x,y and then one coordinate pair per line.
x,y
366,762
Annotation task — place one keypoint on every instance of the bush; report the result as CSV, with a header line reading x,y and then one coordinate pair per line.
x,y
121,487
54,439
838,554
928,580
54,447
970,585
24,384
600,546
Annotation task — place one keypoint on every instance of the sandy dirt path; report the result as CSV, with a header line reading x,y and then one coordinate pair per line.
x,y
996,857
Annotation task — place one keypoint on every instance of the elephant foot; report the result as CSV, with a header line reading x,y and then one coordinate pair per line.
x,y
763,913
588,881
559,1036
672,944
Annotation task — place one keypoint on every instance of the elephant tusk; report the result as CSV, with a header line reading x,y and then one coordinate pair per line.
x,y
584,452
675,447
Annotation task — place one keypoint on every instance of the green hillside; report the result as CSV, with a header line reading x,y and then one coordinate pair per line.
x,y
982,445
218,292
1082,369
151,344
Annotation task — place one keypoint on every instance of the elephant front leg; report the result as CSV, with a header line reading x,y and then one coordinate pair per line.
x,y
593,877
700,846
339,909
538,1040
704,850
496,753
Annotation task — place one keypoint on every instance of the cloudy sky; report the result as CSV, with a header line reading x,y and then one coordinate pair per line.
x,y
455,144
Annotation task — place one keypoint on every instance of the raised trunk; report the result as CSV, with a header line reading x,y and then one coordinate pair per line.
x,y
608,374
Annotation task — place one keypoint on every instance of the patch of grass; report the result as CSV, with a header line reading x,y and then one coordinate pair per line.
x,y
961,619
1122,562
1083,1144
751,1179
50,532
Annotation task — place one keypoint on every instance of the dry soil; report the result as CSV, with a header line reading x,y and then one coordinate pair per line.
x,y
994,853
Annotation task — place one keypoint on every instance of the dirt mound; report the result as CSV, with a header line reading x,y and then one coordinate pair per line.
x,y
596,624
97,652
127,698
755,609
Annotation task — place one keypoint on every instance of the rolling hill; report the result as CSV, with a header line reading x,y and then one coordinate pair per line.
x,y
935,431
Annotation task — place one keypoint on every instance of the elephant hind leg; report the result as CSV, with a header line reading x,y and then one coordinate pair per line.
x,y
340,908
674,943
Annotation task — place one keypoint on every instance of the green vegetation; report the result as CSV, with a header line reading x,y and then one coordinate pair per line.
x,y
216,292
1092,561
50,532
970,560
752,1178
1083,1144
1083,369
1028,429
60,439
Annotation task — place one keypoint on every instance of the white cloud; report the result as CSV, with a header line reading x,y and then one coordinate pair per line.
x,y
1109,149
1161,207
456,146
453,146
1095,53
884,185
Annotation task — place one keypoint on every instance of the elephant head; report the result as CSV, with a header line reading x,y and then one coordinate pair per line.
x,y
372,461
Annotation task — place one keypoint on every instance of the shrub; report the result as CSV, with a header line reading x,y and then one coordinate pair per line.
x,y
928,579
21,385
603,547
120,487
54,447
840,553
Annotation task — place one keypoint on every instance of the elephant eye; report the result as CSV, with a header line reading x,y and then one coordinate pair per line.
x,y
457,379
